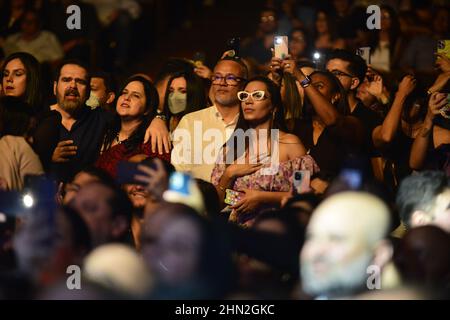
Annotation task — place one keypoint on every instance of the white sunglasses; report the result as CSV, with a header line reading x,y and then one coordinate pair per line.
x,y
256,95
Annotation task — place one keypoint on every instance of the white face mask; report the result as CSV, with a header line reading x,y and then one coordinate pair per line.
x,y
93,101
177,102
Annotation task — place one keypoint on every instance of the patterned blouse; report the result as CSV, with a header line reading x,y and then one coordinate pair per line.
x,y
264,180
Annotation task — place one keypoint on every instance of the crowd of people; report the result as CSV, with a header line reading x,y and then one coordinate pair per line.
x,y
322,174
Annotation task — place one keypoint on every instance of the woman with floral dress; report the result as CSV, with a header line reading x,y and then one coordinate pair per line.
x,y
262,170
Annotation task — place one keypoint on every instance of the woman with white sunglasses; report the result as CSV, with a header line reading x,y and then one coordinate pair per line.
x,y
259,160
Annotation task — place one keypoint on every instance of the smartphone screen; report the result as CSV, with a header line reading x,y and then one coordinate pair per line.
x,y
352,177
180,182
232,197
281,46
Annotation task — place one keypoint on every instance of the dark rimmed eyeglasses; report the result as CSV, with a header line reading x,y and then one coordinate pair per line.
x,y
338,73
229,79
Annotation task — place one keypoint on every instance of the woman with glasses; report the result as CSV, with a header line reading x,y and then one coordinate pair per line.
x,y
260,167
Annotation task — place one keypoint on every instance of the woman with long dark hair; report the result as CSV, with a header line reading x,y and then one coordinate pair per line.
x,y
21,77
386,43
325,36
299,44
185,93
262,169
136,107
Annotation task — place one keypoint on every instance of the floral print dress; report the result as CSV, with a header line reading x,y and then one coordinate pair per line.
x,y
275,178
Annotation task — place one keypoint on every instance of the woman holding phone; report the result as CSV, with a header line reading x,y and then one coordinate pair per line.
x,y
262,171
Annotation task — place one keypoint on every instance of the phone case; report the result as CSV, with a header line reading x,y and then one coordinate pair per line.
x,y
126,172
281,47
232,197
302,185
444,47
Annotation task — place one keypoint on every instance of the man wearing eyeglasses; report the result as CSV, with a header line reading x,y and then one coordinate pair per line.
x,y
200,135
257,48
350,70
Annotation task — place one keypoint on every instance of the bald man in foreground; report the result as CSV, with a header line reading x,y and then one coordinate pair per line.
x,y
345,242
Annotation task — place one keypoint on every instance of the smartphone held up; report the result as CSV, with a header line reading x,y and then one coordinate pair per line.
x,y
443,47
281,47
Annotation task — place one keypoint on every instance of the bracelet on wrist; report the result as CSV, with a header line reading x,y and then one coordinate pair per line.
x,y
161,116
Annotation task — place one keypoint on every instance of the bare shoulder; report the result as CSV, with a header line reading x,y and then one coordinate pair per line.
x,y
289,138
291,145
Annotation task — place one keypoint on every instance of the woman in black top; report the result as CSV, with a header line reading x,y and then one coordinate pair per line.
x,y
328,144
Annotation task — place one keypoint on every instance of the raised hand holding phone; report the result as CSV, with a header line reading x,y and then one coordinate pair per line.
x,y
443,55
155,178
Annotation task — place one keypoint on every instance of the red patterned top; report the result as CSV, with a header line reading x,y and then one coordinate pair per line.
x,y
109,159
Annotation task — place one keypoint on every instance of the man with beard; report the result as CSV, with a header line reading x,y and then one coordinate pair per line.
x,y
71,138
342,241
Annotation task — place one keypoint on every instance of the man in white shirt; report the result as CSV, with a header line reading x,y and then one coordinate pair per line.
x,y
200,135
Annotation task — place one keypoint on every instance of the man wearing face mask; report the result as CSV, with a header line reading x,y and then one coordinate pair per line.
x,y
103,88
